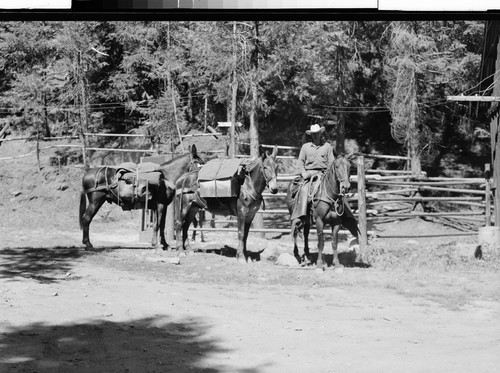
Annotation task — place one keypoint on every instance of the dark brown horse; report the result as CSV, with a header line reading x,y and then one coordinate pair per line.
x,y
99,186
261,172
328,207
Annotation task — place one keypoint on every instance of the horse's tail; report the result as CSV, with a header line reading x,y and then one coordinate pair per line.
x,y
83,207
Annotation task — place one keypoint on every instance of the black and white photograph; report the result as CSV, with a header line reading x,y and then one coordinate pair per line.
x,y
253,195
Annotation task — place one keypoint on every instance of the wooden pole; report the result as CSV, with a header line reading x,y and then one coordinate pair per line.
x,y
363,239
38,144
487,169
258,221
169,217
234,87
206,111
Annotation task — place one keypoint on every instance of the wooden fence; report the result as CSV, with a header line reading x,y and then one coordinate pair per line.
x,y
380,195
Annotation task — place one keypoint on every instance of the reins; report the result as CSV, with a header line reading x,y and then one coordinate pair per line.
x,y
323,192
248,188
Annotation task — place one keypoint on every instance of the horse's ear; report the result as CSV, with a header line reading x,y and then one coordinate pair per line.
x,y
262,153
275,152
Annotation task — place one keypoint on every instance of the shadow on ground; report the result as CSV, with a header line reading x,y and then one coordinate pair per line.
x,y
230,252
46,264
154,344
42,264
347,259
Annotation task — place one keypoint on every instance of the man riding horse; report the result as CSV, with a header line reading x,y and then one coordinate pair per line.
x,y
314,158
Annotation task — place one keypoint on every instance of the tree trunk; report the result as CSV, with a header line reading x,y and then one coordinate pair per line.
x,y
340,135
340,130
234,85
83,114
46,127
190,103
206,112
254,125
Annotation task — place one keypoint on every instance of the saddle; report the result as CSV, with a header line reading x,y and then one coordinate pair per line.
x,y
307,192
220,178
130,177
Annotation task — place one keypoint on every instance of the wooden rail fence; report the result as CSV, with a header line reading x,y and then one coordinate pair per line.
x,y
375,191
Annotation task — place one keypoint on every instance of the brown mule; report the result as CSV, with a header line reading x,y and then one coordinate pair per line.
x,y
328,207
260,173
99,185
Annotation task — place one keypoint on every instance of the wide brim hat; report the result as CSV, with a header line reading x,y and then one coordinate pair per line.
x,y
315,128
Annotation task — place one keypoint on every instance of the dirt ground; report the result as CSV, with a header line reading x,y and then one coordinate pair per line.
x,y
418,305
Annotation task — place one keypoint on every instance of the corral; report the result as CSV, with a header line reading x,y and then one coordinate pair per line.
x,y
424,304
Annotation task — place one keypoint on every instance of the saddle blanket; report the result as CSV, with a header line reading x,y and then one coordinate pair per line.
x,y
147,171
220,178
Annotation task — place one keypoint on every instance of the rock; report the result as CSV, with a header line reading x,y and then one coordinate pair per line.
x,y
175,260
287,260
489,242
339,270
271,253
16,193
353,241
468,250
62,187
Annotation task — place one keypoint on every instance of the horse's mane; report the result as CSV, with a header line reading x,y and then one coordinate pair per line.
x,y
174,159
330,172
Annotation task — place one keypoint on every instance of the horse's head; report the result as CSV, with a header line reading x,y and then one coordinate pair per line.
x,y
196,161
342,171
270,169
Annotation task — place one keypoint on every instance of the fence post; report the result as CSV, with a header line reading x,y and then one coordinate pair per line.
x,y
170,216
83,140
363,239
487,169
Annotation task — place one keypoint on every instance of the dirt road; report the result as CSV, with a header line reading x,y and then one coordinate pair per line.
x,y
128,310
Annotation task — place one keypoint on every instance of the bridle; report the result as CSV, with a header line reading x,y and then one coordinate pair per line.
x,y
337,204
195,163
248,188
263,170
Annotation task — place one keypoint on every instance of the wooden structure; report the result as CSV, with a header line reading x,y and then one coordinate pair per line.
x,y
391,186
490,81
489,85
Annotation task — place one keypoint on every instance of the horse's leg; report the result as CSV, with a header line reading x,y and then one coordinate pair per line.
x,y
159,225
178,223
335,241
295,247
307,228
195,225
321,242
96,200
189,215
201,219
162,216
295,224
156,218
245,217
243,238
241,233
